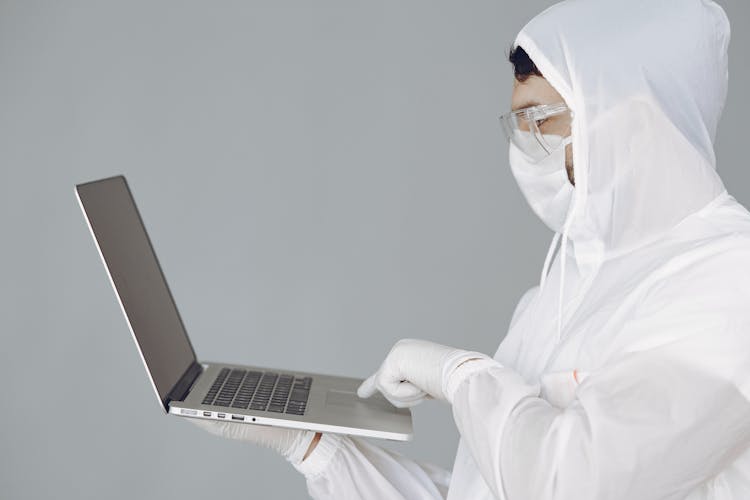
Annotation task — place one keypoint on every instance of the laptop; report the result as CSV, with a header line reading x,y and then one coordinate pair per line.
x,y
187,387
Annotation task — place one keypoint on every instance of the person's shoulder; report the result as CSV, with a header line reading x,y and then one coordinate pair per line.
x,y
712,246
710,275
728,215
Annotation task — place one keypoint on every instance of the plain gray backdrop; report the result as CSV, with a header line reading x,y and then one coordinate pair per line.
x,y
319,180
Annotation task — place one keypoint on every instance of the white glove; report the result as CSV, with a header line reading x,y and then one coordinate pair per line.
x,y
415,370
292,444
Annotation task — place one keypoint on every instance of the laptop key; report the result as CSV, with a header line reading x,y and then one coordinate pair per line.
x,y
259,391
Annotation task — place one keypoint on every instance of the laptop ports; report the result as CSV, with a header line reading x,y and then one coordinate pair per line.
x,y
206,413
221,415
238,417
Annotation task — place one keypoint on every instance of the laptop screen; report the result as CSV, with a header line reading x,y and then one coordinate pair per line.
x,y
137,277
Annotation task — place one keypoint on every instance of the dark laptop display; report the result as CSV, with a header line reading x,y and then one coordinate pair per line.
x,y
137,276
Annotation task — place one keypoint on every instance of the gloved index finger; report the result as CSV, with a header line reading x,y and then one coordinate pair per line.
x,y
368,387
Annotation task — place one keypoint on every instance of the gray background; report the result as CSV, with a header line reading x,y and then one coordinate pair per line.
x,y
326,176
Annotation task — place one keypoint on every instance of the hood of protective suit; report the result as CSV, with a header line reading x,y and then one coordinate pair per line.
x,y
646,111
647,92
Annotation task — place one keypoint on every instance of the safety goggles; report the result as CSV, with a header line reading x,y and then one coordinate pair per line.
x,y
538,130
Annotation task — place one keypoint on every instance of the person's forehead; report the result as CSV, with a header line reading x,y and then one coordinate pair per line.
x,y
533,92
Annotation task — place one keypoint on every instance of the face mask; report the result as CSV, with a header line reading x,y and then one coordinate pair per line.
x,y
545,183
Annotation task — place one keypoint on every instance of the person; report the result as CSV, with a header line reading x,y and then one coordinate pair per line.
x,y
625,373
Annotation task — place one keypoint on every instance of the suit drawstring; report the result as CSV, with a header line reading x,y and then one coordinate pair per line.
x,y
548,260
548,263
562,284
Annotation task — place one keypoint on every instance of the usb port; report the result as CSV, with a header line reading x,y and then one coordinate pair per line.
x,y
221,415
238,417
206,413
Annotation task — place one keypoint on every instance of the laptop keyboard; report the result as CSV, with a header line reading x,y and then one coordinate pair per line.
x,y
263,391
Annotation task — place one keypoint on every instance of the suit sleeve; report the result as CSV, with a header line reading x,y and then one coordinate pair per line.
x,y
666,413
348,468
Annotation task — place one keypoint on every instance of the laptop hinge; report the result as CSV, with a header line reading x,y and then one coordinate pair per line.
x,y
182,387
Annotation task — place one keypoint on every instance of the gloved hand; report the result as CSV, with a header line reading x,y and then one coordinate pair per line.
x,y
292,444
415,370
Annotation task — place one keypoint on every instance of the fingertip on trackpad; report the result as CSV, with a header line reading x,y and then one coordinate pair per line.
x,y
350,399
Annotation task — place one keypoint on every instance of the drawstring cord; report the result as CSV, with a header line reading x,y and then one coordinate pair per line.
x,y
545,271
562,281
548,260
566,228
563,256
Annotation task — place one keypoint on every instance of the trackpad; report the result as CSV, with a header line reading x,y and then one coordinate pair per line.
x,y
348,399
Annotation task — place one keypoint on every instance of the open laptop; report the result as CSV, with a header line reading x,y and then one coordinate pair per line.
x,y
219,391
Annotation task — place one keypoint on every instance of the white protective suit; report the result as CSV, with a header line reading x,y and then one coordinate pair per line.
x,y
641,390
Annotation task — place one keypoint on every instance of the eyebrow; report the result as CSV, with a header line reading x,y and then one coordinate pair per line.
x,y
526,104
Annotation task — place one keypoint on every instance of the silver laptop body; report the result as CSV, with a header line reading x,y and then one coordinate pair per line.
x,y
187,387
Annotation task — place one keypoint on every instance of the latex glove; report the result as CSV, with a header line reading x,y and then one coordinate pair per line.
x,y
292,444
415,370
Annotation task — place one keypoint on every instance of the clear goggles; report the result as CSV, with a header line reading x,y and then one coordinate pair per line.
x,y
538,130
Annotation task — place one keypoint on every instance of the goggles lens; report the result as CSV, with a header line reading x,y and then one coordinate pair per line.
x,y
539,130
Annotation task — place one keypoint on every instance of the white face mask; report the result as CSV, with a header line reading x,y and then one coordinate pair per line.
x,y
544,184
